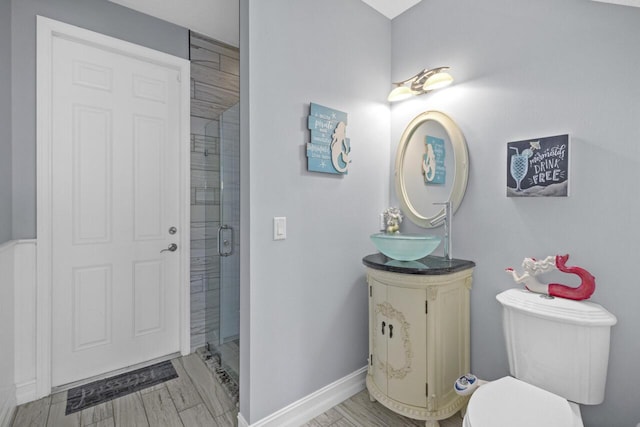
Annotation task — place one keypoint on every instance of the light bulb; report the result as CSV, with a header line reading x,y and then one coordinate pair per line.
x,y
400,93
437,81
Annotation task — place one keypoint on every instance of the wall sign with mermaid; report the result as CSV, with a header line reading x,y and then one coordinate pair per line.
x,y
538,167
433,166
329,150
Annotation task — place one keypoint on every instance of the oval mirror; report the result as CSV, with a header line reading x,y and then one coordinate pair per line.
x,y
432,166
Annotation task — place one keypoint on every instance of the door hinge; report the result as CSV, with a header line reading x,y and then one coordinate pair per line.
x,y
370,290
371,359
426,389
426,307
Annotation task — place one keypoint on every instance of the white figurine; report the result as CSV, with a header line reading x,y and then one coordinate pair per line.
x,y
393,218
532,268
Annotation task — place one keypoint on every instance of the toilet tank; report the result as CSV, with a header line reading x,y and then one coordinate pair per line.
x,y
557,344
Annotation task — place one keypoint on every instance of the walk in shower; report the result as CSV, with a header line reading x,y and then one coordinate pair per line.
x,y
215,207
222,321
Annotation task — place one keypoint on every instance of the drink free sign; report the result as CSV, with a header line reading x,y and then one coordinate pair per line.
x,y
538,167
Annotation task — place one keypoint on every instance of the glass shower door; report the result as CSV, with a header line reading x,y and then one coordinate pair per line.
x,y
223,300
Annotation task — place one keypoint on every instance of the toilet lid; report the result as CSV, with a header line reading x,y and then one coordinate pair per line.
x,y
509,402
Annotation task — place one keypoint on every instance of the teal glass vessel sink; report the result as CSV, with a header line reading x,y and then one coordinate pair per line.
x,y
405,247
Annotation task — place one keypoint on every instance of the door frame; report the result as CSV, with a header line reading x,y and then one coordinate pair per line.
x,y
47,30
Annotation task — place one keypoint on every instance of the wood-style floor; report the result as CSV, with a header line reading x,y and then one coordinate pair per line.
x,y
195,399
359,411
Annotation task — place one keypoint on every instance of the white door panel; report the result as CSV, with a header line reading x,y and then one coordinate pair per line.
x,y
115,193
407,346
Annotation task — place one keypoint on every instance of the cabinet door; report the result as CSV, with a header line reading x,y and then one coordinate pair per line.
x,y
449,325
377,335
398,342
406,345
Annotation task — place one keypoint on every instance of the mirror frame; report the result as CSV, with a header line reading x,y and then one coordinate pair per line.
x,y
461,176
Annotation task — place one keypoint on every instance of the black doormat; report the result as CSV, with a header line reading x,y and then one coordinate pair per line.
x,y
88,395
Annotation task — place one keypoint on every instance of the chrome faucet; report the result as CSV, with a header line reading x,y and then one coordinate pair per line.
x,y
446,218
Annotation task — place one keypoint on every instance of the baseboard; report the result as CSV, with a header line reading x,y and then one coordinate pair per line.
x,y
243,423
26,392
25,321
316,403
7,407
7,333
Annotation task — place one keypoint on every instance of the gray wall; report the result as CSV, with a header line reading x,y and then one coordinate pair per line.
x,y
5,121
7,388
245,218
525,70
304,309
97,15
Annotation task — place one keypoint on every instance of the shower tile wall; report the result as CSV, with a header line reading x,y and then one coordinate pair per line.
x,y
215,87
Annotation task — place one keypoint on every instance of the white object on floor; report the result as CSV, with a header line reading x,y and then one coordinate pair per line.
x,y
466,384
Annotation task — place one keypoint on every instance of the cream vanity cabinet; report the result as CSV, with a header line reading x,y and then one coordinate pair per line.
x,y
418,334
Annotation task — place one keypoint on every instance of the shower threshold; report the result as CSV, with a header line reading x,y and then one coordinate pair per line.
x,y
225,376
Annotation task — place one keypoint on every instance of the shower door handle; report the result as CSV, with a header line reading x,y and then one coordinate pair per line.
x,y
225,245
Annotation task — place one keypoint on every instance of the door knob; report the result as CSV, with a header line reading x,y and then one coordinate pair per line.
x,y
172,248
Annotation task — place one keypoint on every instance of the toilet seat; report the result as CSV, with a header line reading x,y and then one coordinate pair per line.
x,y
509,402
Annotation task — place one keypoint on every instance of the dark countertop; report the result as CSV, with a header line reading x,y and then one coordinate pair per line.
x,y
429,265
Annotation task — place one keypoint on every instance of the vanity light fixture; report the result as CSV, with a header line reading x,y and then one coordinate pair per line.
x,y
423,82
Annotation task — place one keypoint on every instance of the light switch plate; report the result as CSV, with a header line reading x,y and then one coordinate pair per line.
x,y
279,228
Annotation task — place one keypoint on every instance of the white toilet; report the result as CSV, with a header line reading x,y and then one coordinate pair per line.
x,y
558,355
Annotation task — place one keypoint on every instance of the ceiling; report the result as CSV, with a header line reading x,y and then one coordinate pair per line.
x,y
220,19
391,8
635,3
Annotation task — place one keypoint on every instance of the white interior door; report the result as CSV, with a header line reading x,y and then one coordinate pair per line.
x,y
114,196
